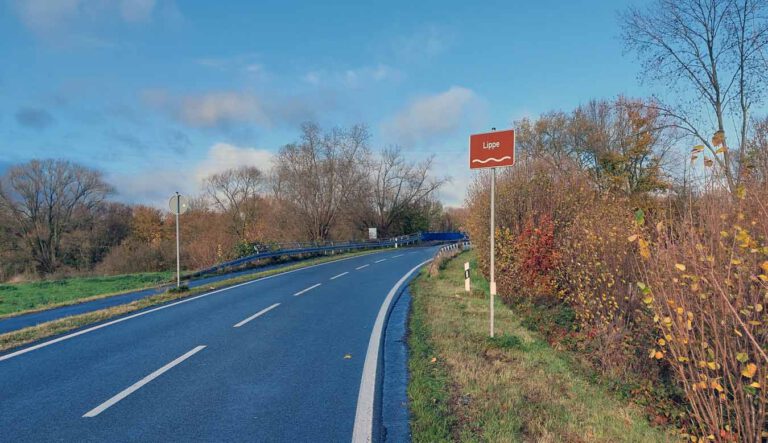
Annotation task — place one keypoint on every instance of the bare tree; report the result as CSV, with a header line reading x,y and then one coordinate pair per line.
x,y
396,186
47,199
317,175
236,192
711,53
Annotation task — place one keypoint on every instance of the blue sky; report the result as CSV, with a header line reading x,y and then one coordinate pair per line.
x,y
159,93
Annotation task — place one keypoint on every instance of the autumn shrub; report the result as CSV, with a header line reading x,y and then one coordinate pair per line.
x,y
534,188
133,256
527,261
705,281
564,260
596,279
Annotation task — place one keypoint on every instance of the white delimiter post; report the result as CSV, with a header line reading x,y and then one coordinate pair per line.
x,y
178,256
493,243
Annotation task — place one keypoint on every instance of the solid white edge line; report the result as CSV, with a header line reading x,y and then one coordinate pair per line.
x,y
340,275
363,429
361,267
136,386
307,289
258,314
186,300
379,261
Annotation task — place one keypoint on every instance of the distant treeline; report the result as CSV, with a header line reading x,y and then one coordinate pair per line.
x,y
56,216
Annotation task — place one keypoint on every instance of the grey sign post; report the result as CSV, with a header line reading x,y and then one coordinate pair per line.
x,y
492,150
179,205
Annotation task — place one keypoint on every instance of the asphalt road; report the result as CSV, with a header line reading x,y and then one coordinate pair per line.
x,y
277,359
34,318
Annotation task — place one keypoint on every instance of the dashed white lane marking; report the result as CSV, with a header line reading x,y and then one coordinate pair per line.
x,y
305,290
398,255
136,386
379,261
258,314
159,308
361,267
340,275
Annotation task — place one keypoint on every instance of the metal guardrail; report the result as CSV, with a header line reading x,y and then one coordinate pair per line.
x,y
313,248
453,248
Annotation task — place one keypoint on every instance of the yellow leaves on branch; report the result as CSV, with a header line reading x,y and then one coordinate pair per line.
x,y
695,152
645,251
718,139
749,370
642,244
741,192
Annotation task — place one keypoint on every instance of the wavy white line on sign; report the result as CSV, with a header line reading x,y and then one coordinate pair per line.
x,y
492,159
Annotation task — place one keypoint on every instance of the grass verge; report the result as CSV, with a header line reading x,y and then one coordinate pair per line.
x,y
515,387
21,298
32,334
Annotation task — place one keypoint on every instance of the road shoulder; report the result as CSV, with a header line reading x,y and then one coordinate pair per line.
x,y
465,387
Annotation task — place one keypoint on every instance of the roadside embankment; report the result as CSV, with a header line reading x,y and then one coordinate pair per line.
x,y
466,387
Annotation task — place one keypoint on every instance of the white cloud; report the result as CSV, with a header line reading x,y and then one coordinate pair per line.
x,y
456,167
246,62
354,77
313,78
223,156
228,109
45,17
155,186
137,10
428,42
432,115
221,109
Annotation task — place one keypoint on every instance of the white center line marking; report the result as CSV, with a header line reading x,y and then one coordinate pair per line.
x,y
258,314
340,275
133,388
399,255
305,290
361,267
379,261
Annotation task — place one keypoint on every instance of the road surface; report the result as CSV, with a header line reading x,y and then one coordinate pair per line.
x,y
9,324
277,359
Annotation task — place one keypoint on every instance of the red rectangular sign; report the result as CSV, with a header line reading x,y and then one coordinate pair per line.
x,y
492,149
